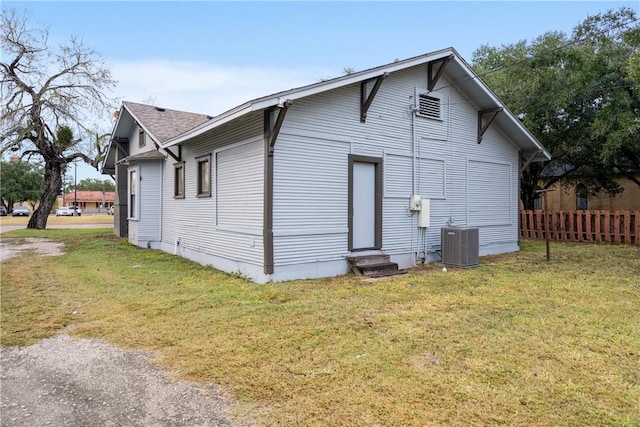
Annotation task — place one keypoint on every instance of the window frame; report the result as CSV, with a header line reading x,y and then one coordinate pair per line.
x,y
200,191
537,202
142,138
133,193
582,194
178,172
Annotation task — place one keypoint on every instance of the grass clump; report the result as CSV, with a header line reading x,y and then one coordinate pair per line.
x,y
515,341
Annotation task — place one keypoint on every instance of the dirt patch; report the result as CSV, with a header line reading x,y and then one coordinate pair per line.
x,y
62,381
11,248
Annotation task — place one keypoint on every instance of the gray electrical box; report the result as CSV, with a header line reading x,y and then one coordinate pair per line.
x,y
460,246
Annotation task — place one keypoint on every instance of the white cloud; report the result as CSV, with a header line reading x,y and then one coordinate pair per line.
x,y
200,87
205,88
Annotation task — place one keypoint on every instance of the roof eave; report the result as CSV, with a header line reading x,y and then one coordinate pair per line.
x,y
305,91
531,144
496,102
110,146
141,123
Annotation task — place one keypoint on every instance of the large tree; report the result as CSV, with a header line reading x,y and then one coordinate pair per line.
x,y
579,95
90,184
50,99
19,181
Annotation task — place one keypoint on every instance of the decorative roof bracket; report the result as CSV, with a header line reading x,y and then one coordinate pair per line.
x,y
122,144
483,128
365,101
178,157
526,162
272,130
431,79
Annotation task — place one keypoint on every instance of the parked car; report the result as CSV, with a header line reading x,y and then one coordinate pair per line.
x,y
75,210
3,211
64,211
111,210
20,211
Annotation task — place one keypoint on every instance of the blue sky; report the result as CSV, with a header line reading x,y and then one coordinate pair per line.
x,y
207,57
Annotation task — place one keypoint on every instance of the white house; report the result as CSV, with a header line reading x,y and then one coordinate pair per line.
x,y
289,185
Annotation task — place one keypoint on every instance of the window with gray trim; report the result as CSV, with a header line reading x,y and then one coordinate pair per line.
x,y
429,106
132,193
204,176
178,180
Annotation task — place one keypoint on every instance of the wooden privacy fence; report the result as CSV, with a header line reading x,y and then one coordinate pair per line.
x,y
582,226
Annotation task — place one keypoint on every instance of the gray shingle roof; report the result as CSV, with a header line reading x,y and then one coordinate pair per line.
x,y
163,123
147,155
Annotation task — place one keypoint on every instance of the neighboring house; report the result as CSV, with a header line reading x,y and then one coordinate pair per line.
x,y
576,197
88,201
289,185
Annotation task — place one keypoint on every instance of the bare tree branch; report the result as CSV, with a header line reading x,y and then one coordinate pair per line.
x,y
39,103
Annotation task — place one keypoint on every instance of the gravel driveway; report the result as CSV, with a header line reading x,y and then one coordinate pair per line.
x,y
63,381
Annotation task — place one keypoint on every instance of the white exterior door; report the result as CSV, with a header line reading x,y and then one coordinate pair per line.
x,y
364,205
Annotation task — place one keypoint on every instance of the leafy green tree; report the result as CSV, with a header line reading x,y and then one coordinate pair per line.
x,y
20,181
615,89
95,185
580,97
49,97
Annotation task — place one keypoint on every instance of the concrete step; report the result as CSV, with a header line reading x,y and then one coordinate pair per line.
x,y
383,266
387,273
379,265
360,261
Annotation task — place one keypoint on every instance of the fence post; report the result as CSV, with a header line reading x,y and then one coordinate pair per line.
x,y
546,222
637,227
570,237
580,236
626,225
616,226
539,225
531,224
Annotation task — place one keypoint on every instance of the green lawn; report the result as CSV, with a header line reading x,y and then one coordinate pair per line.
x,y
517,341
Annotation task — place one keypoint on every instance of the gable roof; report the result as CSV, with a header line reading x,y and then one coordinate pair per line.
x,y
162,124
458,71
172,127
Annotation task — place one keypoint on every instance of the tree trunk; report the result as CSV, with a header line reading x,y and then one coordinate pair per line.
x,y
529,184
52,186
528,189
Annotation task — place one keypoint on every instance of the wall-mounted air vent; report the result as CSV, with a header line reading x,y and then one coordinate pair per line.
x,y
429,106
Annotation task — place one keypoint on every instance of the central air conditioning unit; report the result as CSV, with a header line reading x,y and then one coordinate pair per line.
x,y
460,246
